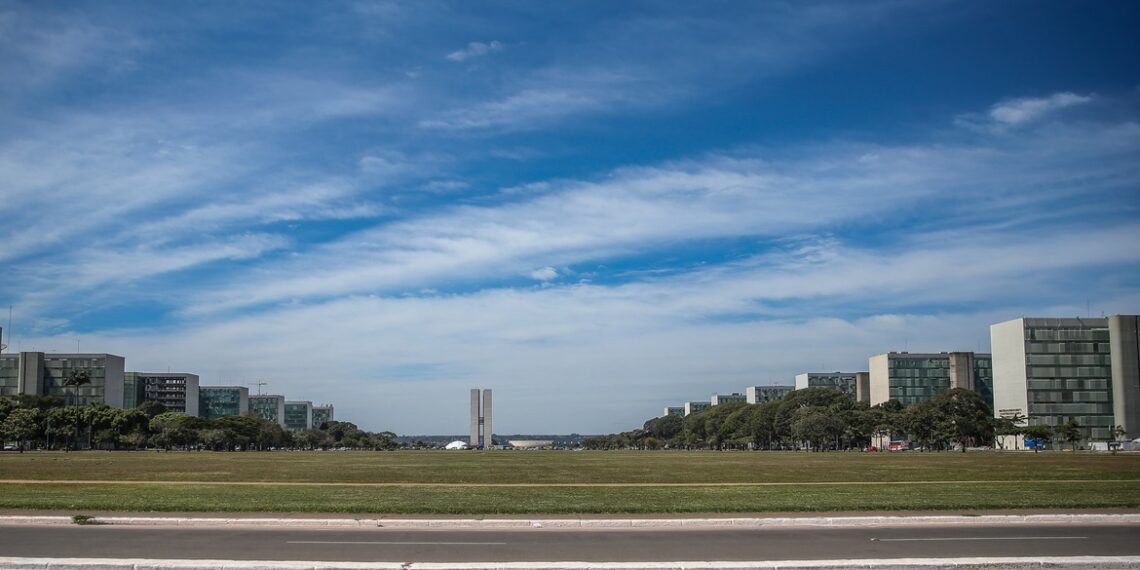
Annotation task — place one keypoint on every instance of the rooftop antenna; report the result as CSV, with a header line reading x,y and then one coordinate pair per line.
x,y
259,385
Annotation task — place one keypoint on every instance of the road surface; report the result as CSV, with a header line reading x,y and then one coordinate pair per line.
x,y
562,545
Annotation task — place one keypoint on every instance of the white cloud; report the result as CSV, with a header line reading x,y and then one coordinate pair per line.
x,y
544,274
524,109
645,209
1019,111
661,340
475,49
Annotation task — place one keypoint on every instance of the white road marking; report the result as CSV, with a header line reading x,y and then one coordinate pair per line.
x,y
949,539
396,543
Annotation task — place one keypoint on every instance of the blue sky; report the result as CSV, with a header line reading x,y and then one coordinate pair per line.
x,y
595,208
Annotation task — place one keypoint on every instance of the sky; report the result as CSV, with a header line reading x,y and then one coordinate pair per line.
x,y
596,209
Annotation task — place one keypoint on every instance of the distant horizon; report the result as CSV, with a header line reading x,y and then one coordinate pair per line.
x,y
595,209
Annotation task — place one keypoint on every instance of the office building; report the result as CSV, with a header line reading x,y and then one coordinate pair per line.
x,y
482,434
268,407
220,401
911,378
44,374
761,394
322,415
1053,370
845,382
678,411
718,399
177,391
298,415
694,407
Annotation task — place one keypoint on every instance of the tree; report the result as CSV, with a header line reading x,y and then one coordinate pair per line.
x,y
969,420
762,425
22,425
1070,431
665,427
75,379
152,408
6,407
175,429
816,427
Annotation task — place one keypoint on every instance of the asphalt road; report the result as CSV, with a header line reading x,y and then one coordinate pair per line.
x,y
562,545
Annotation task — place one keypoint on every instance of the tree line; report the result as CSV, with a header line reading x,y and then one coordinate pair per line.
x,y
45,422
821,419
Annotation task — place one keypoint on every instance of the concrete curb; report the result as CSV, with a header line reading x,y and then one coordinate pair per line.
x,y
784,522
1059,563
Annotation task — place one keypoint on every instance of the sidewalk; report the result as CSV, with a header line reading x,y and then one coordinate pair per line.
x,y
607,522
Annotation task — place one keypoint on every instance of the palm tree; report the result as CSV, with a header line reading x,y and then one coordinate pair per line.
x,y
77,378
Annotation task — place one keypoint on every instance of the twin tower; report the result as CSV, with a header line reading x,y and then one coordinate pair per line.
x,y
481,419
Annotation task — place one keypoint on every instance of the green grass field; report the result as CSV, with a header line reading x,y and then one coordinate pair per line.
x,y
566,482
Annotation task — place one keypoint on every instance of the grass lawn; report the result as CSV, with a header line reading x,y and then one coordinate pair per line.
x,y
809,481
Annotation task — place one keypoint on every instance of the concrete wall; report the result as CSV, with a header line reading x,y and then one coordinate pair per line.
x,y
1124,342
113,389
879,378
962,370
1007,341
801,381
192,384
862,386
488,430
31,371
474,417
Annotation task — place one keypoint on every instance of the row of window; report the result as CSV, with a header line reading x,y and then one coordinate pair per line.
x,y
1068,384
916,373
1066,334
1067,347
1070,372
1070,396
1070,409
918,363
941,383
1069,359
1084,421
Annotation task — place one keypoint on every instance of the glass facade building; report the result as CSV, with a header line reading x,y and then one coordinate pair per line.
x,y
298,416
843,381
175,390
9,375
322,415
269,407
911,378
220,401
718,399
45,374
678,411
1056,370
761,394
694,407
